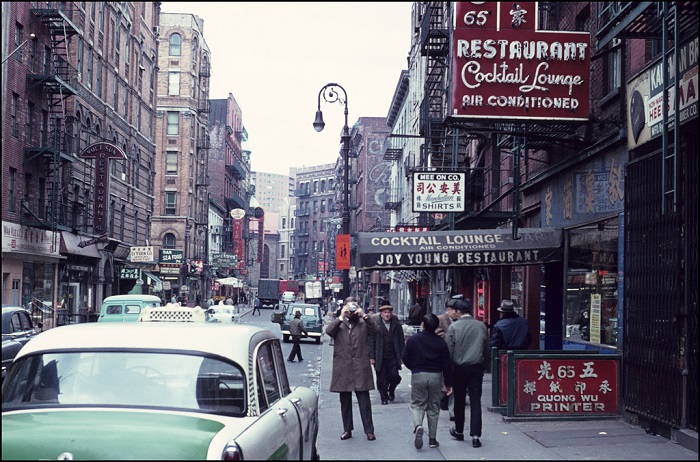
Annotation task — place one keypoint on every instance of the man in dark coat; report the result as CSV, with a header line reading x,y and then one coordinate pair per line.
x,y
352,371
385,352
511,332
296,330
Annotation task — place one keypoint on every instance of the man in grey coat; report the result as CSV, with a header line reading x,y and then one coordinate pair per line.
x,y
352,370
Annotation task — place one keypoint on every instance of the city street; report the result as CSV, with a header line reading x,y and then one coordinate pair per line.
x,y
501,439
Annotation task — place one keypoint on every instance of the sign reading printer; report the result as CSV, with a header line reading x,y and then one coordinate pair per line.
x,y
440,249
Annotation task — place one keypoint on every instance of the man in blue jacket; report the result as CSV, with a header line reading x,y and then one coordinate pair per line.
x,y
511,332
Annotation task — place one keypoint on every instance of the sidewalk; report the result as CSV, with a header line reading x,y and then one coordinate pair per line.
x,y
501,440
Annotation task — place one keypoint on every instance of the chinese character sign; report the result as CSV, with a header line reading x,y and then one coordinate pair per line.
x,y
561,386
438,192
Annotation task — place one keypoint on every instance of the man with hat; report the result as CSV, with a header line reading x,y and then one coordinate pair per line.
x,y
468,342
386,348
511,332
296,330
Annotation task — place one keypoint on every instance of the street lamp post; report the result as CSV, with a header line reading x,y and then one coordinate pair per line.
x,y
330,95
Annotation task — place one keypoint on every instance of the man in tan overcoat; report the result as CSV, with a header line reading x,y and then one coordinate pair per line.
x,y
352,371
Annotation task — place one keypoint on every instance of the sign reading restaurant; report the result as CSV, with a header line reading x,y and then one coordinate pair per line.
x,y
503,67
490,247
102,153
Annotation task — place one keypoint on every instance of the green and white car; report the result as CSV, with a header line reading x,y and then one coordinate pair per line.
x,y
156,390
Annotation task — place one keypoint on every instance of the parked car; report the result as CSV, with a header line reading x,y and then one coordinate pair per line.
x,y
17,330
310,316
171,390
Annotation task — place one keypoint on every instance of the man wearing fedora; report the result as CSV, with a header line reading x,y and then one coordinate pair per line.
x,y
386,349
511,332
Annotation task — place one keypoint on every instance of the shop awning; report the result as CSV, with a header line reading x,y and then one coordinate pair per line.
x,y
69,245
446,249
155,281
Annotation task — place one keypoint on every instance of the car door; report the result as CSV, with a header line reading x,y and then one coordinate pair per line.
x,y
276,434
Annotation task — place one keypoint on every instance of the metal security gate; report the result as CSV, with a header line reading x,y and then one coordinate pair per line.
x,y
660,340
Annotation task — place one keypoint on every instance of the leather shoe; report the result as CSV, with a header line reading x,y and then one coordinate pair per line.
x,y
346,435
290,360
476,443
385,401
455,435
371,437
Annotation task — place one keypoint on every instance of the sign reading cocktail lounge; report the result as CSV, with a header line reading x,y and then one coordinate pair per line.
x,y
458,248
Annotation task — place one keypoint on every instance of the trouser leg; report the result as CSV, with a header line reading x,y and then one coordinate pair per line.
x,y
393,374
382,382
475,387
365,405
459,389
432,410
346,410
419,397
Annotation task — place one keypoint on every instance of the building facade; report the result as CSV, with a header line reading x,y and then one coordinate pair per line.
x,y
77,75
599,163
179,225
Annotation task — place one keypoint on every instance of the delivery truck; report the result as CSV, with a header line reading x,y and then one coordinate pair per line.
x,y
269,292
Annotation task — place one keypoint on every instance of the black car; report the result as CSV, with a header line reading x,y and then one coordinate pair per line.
x,y
17,329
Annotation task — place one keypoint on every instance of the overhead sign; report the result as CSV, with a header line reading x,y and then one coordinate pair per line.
x,y
141,254
342,251
504,67
645,95
443,249
171,256
102,153
438,192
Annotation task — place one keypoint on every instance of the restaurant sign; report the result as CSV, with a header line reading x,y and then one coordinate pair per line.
x,y
102,153
443,249
503,67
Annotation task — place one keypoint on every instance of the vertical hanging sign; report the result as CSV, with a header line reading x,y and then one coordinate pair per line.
x,y
342,251
102,153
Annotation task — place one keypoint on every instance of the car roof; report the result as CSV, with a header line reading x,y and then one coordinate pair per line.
x,y
227,340
118,298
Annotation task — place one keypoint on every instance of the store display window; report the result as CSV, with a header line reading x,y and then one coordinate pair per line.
x,y
591,311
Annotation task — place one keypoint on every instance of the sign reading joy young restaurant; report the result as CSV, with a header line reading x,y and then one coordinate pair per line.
x,y
504,67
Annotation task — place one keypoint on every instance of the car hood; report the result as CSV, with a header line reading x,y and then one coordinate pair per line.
x,y
107,434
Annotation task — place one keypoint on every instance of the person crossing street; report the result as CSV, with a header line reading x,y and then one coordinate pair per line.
x,y
296,330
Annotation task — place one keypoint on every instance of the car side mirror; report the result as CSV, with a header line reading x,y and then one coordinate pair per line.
x,y
40,325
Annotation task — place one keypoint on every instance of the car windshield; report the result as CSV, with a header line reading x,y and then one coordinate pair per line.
x,y
135,378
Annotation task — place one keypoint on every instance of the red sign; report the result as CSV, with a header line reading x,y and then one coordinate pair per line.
x,y
503,67
342,251
102,153
553,386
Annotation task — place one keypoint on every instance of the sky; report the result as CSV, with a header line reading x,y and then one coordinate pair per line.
x,y
274,58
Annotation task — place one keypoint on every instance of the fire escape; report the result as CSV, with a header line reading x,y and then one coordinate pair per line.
x,y
56,82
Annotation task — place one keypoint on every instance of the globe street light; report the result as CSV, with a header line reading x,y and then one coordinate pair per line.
x,y
330,95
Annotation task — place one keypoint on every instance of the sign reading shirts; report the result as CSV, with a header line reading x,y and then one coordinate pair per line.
x,y
102,153
442,249
438,192
503,67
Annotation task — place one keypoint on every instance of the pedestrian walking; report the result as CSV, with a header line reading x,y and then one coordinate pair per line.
x,y
385,353
296,330
511,332
468,342
256,305
416,313
210,302
352,371
229,301
428,358
447,403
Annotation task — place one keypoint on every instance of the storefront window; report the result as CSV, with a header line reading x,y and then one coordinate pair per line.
x,y
591,284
